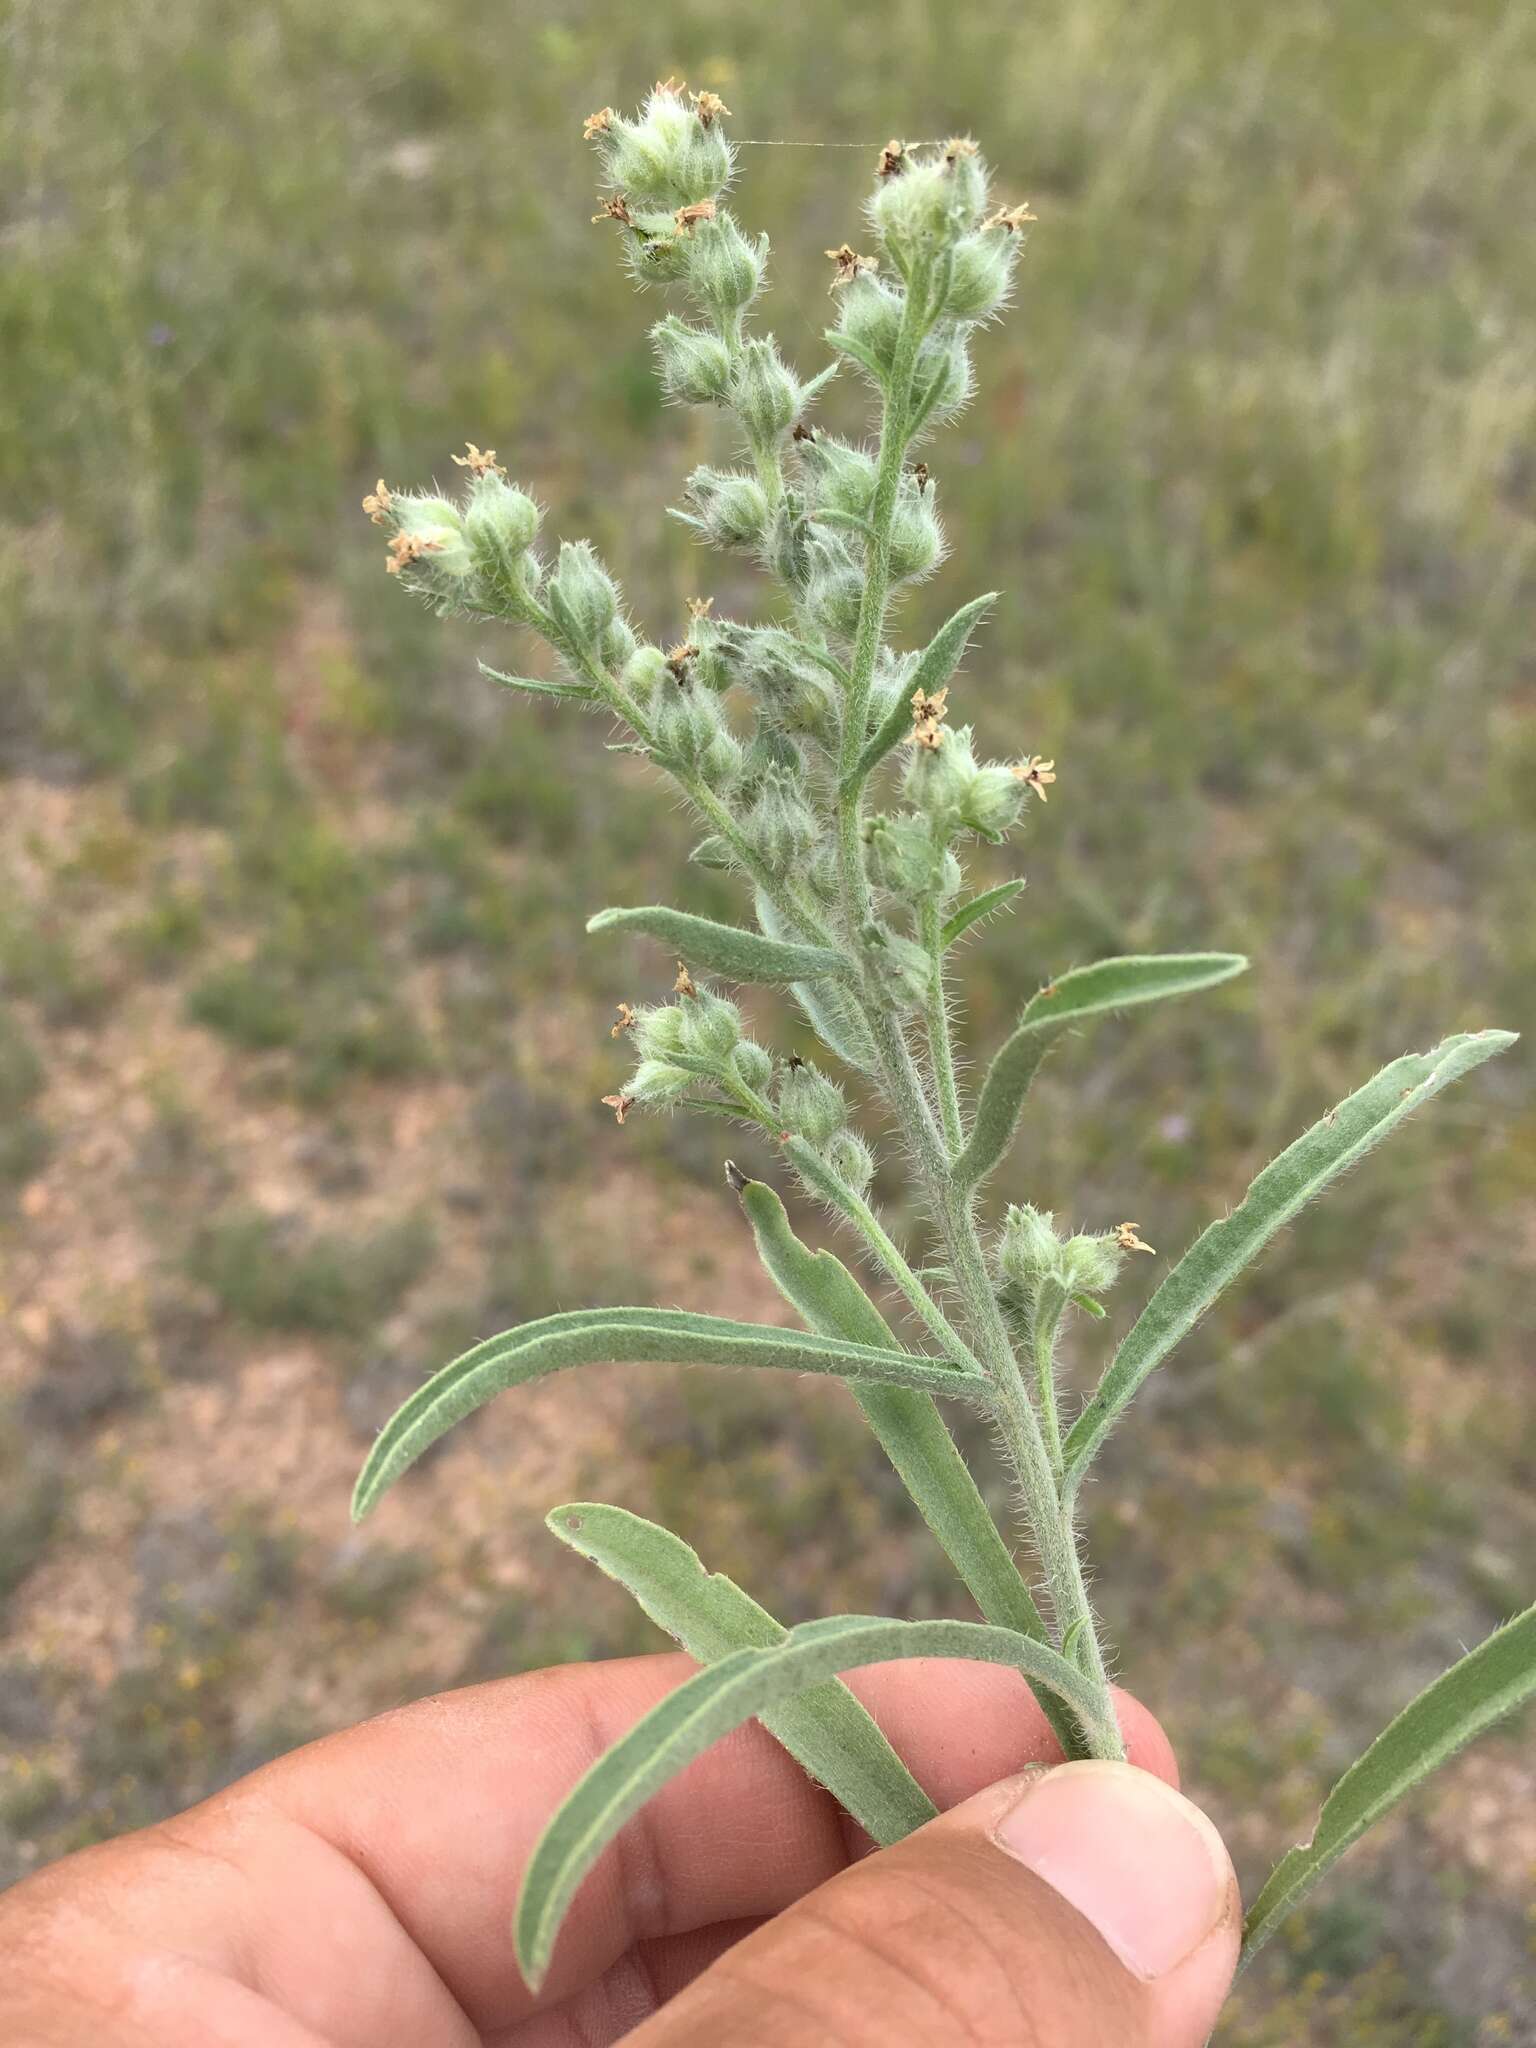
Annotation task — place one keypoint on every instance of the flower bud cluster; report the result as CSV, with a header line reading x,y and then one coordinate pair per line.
x,y
690,1043
674,155
811,1107
955,792
1031,1252
476,556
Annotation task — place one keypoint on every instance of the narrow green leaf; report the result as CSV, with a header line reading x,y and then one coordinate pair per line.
x,y
857,352
824,1729
626,1336
1085,992
726,949
1286,1185
981,906
581,692
940,658
715,1701
829,515
1488,1683
910,1429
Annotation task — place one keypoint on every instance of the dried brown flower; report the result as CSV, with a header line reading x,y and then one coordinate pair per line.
x,y
688,217
679,657
480,461
616,208
893,160
700,607
709,107
378,502
626,1021
959,146
598,123
850,264
684,985
1127,1240
406,548
621,1105
1011,217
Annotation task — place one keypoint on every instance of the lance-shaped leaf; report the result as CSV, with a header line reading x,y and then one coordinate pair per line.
x,y
824,1729
1488,1683
712,1703
582,693
1286,1185
972,913
940,658
1085,992
725,949
627,1336
911,1431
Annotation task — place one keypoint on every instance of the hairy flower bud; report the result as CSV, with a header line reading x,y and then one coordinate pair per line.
x,y
688,723
910,862
944,380
764,395
720,766
795,691
838,477
655,1083
723,268
901,967
660,1031
834,589
869,315
730,508
1031,1251
669,157
582,596
810,1105
917,537
993,802
500,524
780,825
644,673
429,542
983,274
929,205
753,1063
711,1026
851,1160
694,365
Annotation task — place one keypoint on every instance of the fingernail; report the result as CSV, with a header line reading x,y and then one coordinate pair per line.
x,y
1144,1868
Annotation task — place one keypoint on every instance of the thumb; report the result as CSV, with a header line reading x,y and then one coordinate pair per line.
x,y
1076,1908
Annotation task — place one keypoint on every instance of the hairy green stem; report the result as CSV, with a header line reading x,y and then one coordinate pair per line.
x,y
940,1048
895,438
815,1171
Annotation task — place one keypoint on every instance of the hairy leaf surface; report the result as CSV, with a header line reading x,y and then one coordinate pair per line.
x,y
627,1336
712,1703
1085,992
726,949
824,1729
1281,1191
1488,1683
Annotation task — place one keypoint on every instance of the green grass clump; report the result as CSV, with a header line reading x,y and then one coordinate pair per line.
x,y
268,1274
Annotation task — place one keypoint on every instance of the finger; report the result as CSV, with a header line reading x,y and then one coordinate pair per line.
x,y
1090,1906
441,1804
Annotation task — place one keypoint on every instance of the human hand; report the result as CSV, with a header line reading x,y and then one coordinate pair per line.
x,y
359,1893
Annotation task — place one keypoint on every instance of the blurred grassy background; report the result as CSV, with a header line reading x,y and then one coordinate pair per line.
x,y
300,1050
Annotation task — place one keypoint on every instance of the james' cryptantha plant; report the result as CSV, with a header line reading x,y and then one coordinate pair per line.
x,y
829,778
